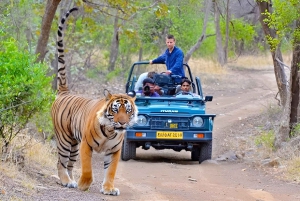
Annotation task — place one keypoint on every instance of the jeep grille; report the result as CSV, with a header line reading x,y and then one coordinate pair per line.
x,y
182,123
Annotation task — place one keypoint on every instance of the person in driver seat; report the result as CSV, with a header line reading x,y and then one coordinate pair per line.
x,y
185,86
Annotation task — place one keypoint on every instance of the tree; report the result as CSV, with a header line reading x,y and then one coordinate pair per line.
x,y
122,12
222,59
41,48
271,36
208,5
279,19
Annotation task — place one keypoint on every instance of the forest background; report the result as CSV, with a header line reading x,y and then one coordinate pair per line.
x,y
105,37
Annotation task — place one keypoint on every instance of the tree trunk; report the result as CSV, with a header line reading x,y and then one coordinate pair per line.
x,y
276,53
114,48
41,48
140,54
219,45
284,130
54,64
290,112
203,35
227,33
295,79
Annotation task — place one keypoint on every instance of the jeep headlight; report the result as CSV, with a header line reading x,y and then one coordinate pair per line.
x,y
141,120
197,121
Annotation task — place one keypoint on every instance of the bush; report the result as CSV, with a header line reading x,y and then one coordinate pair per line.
x,y
266,139
25,89
296,130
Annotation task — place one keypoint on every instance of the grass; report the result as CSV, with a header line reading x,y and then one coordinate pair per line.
x,y
27,154
262,62
293,170
40,153
202,66
296,130
266,140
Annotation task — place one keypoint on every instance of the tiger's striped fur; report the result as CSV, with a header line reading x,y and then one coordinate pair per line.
x,y
85,125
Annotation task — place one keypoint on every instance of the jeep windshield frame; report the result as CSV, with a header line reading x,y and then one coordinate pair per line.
x,y
141,67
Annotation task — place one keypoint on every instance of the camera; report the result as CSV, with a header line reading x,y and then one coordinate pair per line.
x,y
147,90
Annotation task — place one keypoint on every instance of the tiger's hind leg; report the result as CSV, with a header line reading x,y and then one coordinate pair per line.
x,y
73,158
86,177
111,161
66,160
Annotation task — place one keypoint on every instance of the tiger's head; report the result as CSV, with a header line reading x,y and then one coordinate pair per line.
x,y
119,111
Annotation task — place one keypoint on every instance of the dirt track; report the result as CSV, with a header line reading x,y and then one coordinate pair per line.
x,y
169,175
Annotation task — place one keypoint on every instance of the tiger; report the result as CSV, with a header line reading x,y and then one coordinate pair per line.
x,y
84,125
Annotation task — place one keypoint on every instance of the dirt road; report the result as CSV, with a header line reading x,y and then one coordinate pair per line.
x,y
169,175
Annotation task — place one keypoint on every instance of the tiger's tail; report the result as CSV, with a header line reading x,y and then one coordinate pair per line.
x,y
62,84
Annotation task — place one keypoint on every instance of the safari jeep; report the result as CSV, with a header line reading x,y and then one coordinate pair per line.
x,y
171,121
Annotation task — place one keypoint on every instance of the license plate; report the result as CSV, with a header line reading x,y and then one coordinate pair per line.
x,y
169,135
173,125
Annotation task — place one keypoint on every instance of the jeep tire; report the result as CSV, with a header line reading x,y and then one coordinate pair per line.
x,y
205,151
128,150
195,153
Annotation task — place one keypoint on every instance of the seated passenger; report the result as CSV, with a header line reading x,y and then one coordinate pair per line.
x,y
148,88
186,88
139,82
142,77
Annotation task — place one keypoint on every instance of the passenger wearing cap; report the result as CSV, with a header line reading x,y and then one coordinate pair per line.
x,y
148,88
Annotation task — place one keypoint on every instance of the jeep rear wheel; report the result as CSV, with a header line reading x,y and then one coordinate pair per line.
x,y
195,154
205,152
128,150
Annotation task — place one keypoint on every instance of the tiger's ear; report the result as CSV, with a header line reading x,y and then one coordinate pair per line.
x,y
107,94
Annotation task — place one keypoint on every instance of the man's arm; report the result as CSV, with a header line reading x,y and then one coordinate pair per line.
x,y
160,59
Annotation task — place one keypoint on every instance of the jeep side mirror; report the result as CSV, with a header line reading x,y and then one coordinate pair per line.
x,y
208,98
131,94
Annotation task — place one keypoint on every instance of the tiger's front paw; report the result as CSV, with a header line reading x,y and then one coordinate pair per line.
x,y
84,183
114,191
72,184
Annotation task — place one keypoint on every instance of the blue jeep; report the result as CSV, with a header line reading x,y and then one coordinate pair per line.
x,y
171,121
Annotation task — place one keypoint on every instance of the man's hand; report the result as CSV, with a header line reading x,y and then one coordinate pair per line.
x,y
168,72
150,62
157,89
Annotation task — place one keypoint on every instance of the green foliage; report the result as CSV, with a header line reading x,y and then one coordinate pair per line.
x,y
266,139
113,74
13,13
183,19
24,89
282,21
240,32
296,130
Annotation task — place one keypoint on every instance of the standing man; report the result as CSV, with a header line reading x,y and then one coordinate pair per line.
x,y
173,58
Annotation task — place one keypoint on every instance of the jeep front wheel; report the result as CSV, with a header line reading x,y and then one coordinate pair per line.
x,y
195,153
128,150
205,152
